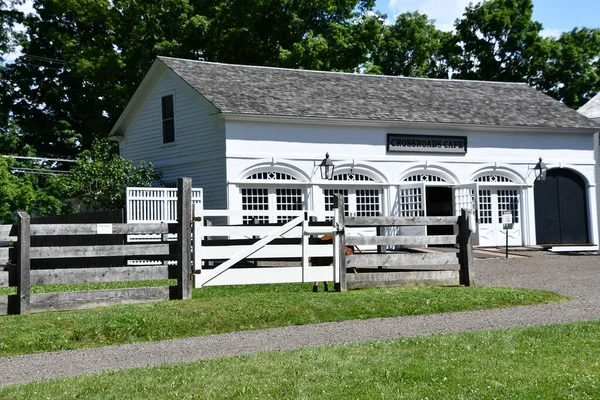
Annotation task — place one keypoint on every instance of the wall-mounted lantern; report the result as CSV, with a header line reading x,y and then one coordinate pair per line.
x,y
540,170
327,168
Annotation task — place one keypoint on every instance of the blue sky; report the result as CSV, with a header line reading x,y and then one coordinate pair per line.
x,y
555,15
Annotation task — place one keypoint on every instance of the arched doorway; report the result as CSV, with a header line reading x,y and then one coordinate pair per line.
x,y
561,209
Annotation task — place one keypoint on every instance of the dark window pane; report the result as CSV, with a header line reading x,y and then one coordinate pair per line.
x,y
168,119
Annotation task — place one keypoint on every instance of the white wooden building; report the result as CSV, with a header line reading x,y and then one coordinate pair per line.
x,y
591,109
253,137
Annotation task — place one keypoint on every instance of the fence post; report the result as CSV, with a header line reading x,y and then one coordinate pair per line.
x,y
305,243
198,235
183,290
340,239
465,243
21,275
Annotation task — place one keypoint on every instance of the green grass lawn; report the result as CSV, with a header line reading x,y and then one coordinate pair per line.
x,y
234,308
546,362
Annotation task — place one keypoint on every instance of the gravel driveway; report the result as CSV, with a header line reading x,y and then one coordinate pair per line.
x,y
574,275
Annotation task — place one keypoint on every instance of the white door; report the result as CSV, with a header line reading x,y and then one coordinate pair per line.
x,y
492,203
411,203
465,196
359,201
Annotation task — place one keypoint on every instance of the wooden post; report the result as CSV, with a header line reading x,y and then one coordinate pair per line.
x,y
305,243
183,290
21,275
198,224
340,238
381,249
465,242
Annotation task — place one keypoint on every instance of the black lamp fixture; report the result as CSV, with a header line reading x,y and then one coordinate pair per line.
x,y
540,170
327,168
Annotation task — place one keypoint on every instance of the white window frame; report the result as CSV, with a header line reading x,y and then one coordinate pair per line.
x,y
271,186
353,186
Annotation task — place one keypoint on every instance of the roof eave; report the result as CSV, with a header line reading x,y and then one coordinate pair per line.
x,y
395,124
134,103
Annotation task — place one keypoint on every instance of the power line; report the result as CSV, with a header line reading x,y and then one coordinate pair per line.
x,y
38,158
41,58
38,172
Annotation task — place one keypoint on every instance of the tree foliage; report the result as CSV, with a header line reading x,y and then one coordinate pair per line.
x,y
82,61
9,17
20,192
499,41
572,71
413,46
100,176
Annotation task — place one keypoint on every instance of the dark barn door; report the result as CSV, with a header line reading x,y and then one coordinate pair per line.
x,y
561,214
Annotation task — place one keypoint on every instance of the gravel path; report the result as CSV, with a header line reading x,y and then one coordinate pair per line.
x,y
574,275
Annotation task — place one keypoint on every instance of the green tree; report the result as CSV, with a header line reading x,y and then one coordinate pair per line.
x,y
9,17
82,60
100,176
20,193
499,41
572,72
413,46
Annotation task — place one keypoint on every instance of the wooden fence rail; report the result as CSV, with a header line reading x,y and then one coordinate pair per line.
x,y
20,275
389,268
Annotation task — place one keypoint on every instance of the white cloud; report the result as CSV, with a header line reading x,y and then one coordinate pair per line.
x,y
555,33
444,12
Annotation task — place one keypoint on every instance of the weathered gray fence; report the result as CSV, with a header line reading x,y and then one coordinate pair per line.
x,y
19,274
402,268
111,216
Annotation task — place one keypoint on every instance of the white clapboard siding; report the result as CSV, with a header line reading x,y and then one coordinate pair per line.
x,y
198,151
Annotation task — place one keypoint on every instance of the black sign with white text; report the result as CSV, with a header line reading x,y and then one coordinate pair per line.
x,y
426,143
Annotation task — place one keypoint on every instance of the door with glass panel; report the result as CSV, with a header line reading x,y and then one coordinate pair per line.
x,y
493,202
411,203
271,199
359,201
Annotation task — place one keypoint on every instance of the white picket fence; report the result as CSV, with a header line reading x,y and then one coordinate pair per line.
x,y
154,205
229,253
151,205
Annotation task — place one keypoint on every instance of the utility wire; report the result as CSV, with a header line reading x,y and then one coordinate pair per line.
x,y
38,158
33,170
41,58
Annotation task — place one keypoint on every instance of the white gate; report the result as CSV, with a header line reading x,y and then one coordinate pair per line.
x,y
227,247
151,205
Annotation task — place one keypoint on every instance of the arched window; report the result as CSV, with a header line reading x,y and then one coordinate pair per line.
x,y
352,177
418,177
272,175
493,178
270,191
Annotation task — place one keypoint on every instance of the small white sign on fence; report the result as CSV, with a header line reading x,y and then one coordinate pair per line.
x,y
104,229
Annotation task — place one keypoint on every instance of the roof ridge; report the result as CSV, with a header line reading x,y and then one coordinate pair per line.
x,y
346,73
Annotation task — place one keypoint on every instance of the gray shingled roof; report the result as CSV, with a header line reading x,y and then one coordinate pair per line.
x,y
591,109
237,89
